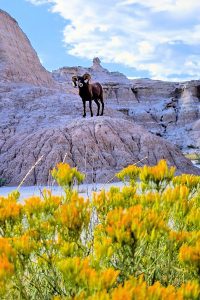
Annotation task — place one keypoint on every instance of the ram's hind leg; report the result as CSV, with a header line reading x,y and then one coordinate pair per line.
x,y
98,106
84,109
102,103
90,105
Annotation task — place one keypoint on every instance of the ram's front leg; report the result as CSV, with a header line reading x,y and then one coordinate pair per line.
x,y
90,105
84,109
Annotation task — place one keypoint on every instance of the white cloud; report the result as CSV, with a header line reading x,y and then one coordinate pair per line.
x,y
161,37
38,2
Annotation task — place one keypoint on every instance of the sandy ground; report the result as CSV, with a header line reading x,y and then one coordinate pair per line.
x,y
85,190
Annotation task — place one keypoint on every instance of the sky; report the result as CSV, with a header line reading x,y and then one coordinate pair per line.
x,y
158,39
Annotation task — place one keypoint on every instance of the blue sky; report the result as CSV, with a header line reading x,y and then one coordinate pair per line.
x,y
159,39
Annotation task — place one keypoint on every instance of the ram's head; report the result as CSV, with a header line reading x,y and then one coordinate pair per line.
x,y
80,81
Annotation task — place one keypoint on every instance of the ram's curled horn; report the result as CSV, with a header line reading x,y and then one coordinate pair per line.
x,y
74,80
86,76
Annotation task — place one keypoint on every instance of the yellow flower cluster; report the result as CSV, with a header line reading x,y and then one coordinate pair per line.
x,y
52,202
6,248
137,289
106,201
103,247
120,223
65,247
129,173
193,215
189,180
126,225
36,205
9,209
65,175
190,254
7,254
150,199
6,268
80,272
24,244
33,204
158,173
179,193
75,214
184,236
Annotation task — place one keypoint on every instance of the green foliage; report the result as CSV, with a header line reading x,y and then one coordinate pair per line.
x,y
2,181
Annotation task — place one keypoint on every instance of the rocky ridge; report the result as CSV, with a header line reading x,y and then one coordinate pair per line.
x,y
41,115
168,109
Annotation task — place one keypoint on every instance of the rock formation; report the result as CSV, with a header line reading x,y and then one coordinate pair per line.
x,y
167,109
18,60
38,121
40,116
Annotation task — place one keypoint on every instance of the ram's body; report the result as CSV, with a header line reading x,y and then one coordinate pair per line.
x,y
93,91
88,92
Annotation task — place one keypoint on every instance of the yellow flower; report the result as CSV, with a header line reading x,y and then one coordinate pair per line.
x,y
108,277
119,223
103,248
102,295
51,202
184,236
157,173
129,173
78,271
190,290
191,181
33,204
24,244
6,268
151,199
68,249
75,214
124,292
154,220
9,209
65,175
178,199
6,248
190,254
106,201
193,216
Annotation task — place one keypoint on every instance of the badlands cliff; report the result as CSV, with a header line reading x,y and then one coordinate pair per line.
x,y
167,109
18,60
41,115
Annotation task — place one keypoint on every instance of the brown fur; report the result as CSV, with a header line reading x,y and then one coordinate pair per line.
x,y
88,92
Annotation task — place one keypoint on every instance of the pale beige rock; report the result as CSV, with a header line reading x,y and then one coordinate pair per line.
x,y
18,60
99,147
173,109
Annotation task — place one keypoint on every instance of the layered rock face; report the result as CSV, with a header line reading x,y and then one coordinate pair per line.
x,y
167,109
40,117
117,87
18,60
39,122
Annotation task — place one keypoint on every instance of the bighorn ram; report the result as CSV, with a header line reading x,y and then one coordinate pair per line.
x,y
88,92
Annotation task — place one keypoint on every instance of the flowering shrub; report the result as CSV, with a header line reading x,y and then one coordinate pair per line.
x,y
144,243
